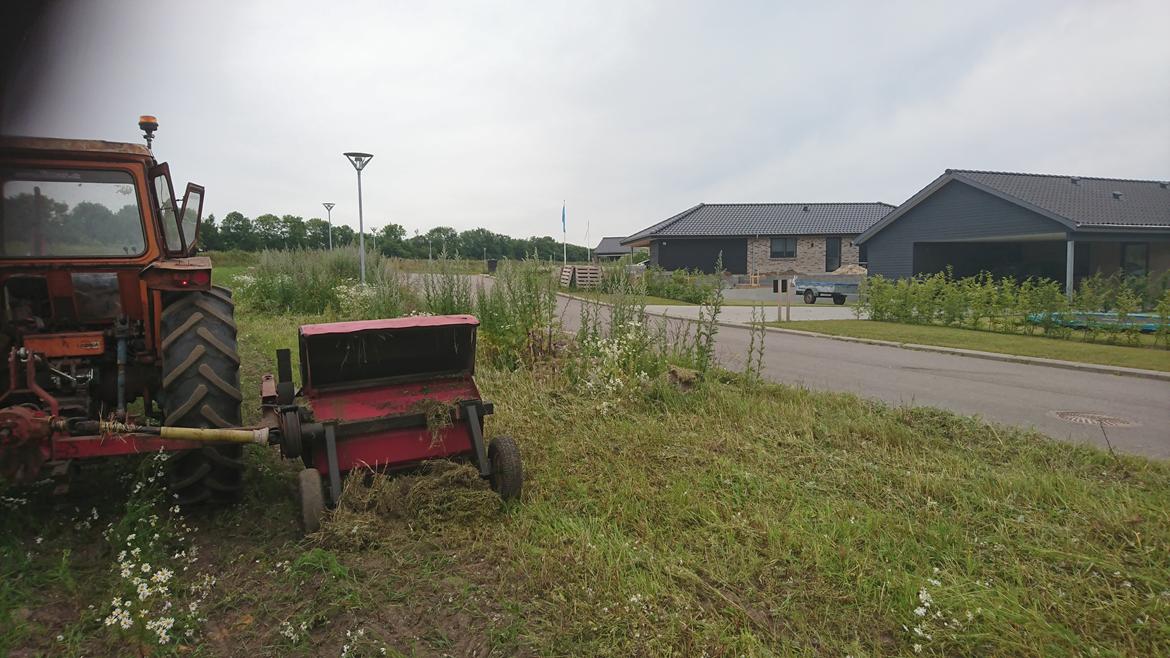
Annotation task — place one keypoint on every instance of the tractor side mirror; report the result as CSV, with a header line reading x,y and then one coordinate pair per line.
x,y
192,216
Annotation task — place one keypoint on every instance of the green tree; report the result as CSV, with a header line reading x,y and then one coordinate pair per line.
x,y
238,232
209,238
317,233
444,238
269,231
295,232
344,235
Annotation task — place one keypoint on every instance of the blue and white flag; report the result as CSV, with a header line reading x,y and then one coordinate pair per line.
x,y
563,229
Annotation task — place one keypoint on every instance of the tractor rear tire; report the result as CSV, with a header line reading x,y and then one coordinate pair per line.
x,y
201,388
507,476
312,499
839,300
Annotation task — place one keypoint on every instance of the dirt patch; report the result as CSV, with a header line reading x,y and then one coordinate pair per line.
x,y
683,378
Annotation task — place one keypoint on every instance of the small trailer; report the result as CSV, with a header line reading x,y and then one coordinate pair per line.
x,y
810,290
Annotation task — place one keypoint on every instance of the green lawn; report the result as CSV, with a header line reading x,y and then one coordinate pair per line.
x,y
723,520
223,276
1149,358
722,517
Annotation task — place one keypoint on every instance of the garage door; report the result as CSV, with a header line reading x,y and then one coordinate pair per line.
x,y
700,254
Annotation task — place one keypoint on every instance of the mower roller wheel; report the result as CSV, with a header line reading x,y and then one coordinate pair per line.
x,y
201,388
312,499
507,476
290,437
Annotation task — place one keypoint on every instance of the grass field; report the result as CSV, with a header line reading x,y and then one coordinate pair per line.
x,y
729,518
1149,358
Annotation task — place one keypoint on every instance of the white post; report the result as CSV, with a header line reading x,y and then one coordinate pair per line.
x,y
788,300
1068,269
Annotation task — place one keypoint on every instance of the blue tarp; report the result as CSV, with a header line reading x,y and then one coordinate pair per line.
x,y
1147,323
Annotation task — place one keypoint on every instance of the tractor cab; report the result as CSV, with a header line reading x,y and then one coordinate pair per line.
x,y
87,229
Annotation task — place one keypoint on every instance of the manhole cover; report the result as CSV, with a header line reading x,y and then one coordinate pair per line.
x,y
1092,418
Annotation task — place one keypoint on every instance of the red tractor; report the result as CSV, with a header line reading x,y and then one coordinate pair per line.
x,y
115,343
108,317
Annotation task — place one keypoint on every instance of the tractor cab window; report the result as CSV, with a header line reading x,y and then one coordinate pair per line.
x,y
168,212
192,211
51,213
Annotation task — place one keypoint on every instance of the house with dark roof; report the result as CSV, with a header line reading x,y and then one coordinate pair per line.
x,y
1025,225
610,249
761,238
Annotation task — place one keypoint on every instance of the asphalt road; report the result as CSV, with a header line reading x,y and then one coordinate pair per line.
x,y
1008,393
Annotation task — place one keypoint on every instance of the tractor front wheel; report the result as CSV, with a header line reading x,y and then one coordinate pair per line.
x,y
507,475
810,296
201,388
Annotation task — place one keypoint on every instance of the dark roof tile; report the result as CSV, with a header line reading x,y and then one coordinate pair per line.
x,y
1088,201
611,246
742,219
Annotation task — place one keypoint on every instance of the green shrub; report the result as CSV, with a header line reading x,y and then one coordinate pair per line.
x,y
1033,306
684,285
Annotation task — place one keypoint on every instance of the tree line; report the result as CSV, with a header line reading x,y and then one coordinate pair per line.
x,y
269,231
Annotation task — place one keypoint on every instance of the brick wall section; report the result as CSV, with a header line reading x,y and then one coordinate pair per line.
x,y
810,255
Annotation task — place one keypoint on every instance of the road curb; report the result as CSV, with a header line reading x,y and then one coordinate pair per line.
x,y
976,354
1120,371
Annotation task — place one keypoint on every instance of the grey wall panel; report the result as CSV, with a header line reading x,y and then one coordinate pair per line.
x,y
955,212
701,253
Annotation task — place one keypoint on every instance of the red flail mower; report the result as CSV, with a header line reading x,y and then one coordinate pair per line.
x,y
383,395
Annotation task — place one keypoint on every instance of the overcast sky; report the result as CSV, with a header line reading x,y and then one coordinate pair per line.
x,y
491,114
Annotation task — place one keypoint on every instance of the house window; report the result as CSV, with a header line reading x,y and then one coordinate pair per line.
x,y
863,254
783,248
1135,258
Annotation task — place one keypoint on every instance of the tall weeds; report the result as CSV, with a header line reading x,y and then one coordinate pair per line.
x,y
517,313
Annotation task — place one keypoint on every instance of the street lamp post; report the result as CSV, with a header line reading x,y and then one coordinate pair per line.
x,y
329,210
359,162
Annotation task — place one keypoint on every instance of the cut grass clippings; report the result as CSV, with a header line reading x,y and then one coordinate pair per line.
x,y
1147,358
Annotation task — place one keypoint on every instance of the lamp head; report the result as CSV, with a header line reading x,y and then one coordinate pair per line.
x,y
359,160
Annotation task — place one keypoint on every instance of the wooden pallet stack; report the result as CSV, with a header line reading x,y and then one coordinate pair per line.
x,y
588,277
582,277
